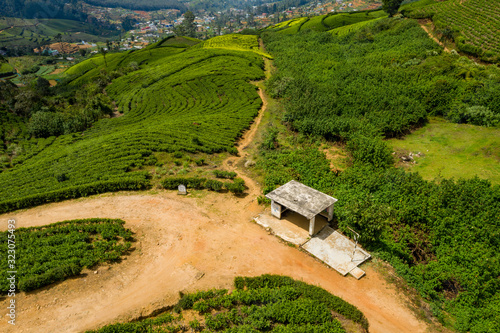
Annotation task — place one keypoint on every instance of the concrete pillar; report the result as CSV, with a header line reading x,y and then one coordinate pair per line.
x,y
330,213
311,225
276,209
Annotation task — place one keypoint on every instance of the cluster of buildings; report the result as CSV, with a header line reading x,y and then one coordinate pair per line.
x,y
152,26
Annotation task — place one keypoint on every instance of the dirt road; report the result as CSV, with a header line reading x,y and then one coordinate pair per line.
x,y
183,244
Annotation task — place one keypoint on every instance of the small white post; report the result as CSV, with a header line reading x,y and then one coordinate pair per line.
x,y
311,225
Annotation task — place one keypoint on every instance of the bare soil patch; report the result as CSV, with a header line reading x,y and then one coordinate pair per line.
x,y
58,71
184,244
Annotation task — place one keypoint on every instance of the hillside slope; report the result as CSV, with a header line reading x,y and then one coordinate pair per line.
x,y
384,79
178,99
474,24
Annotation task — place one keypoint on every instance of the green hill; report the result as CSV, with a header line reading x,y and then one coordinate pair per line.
x,y
62,9
474,23
325,22
178,99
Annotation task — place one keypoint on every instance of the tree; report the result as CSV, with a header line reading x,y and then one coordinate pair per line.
x,y
251,20
391,6
188,24
128,23
43,86
58,37
447,33
83,52
103,51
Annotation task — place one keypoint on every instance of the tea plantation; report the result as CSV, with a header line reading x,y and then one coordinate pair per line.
x,y
52,253
175,99
326,22
475,24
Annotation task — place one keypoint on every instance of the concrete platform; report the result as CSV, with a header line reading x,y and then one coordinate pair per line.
x,y
292,227
336,251
357,272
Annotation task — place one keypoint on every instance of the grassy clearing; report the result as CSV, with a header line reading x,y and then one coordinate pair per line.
x,y
452,150
6,69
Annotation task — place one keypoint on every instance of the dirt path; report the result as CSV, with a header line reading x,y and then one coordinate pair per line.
x,y
183,244
423,26
231,164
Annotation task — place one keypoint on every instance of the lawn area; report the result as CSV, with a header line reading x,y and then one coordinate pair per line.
x,y
452,150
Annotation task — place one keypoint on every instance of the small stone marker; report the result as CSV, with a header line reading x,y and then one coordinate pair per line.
x,y
182,190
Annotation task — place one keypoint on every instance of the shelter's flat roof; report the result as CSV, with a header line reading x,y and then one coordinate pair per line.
x,y
302,199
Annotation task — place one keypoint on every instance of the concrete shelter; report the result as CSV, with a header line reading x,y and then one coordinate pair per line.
x,y
303,200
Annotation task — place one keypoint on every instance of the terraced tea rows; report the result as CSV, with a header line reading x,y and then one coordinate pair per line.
x,y
477,21
347,29
54,252
235,42
196,101
326,22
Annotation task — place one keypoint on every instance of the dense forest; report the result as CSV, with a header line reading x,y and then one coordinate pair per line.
x,y
72,9
39,9
262,6
380,81
147,5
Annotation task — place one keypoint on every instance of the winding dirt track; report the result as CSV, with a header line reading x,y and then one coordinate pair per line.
x,y
188,243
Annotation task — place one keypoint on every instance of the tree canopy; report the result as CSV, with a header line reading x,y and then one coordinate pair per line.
x,y
391,6
188,27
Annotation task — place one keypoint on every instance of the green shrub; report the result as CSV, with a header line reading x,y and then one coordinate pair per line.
x,y
237,187
370,150
224,174
73,192
45,124
54,275
214,185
